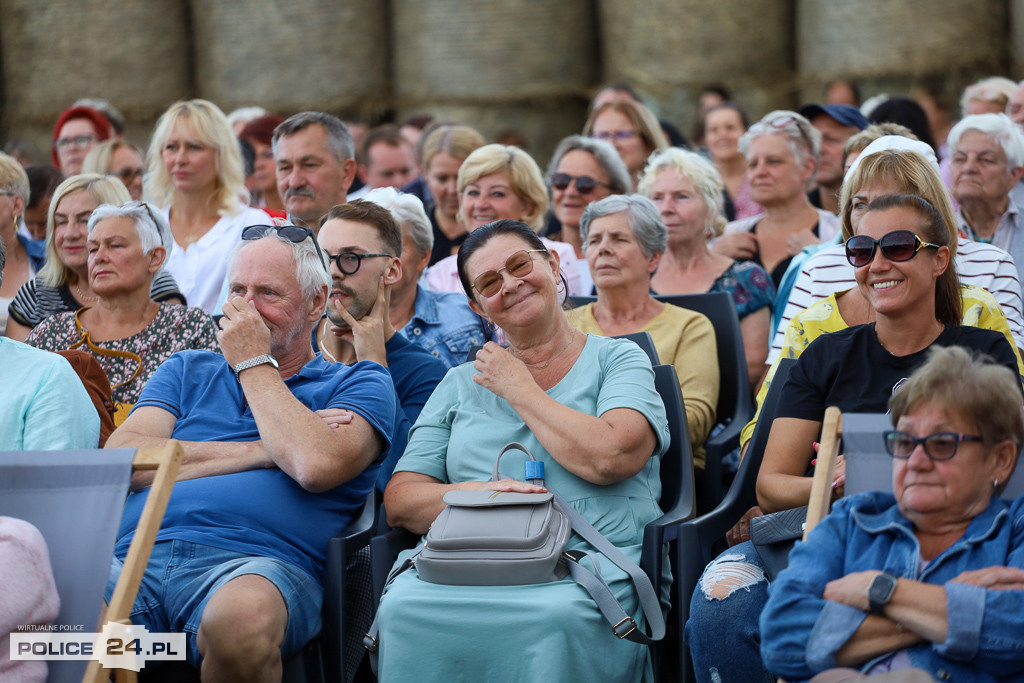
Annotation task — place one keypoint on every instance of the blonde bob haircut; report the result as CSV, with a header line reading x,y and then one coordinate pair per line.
x,y
104,189
457,140
982,393
522,171
101,156
206,125
905,172
13,177
702,175
643,120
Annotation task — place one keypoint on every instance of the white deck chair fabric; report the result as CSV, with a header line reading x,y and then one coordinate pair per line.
x,y
75,499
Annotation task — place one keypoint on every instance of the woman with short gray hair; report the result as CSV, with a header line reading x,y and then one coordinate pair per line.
x,y
623,241
128,333
687,190
782,158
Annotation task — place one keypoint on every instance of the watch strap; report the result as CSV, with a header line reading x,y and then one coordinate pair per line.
x,y
264,359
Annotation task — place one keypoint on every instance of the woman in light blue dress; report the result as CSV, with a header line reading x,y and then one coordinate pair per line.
x,y
584,405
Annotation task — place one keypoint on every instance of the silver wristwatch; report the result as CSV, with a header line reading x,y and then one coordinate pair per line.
x,y
253,362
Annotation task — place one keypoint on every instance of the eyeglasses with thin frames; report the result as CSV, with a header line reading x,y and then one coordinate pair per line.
x,y
78,141
937,446
518,265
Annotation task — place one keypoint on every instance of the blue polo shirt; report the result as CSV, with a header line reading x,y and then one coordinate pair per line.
x,y
261,512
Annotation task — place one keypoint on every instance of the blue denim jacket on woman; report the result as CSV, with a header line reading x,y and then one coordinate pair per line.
x,y
445,325
801,631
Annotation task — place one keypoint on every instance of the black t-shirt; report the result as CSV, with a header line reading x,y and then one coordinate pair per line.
x,y
850,369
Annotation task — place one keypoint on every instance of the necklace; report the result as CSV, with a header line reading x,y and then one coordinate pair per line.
x,y
82,296
541,366
323,346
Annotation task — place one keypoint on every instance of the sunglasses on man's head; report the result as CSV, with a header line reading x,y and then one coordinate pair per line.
x,y
898,245
584,183
292,233
519,264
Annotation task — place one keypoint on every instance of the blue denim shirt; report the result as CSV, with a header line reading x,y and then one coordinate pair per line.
x,y
801,631
445,325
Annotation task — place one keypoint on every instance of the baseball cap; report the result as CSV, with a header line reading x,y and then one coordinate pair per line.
x,y
842,113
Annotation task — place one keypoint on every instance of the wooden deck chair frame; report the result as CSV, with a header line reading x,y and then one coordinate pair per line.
x,y
824,471
165,461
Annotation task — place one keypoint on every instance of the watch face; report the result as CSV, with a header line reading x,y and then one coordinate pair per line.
x,y
880,591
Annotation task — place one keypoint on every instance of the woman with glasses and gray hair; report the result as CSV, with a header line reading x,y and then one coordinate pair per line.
x,y
931,576
687,190
129,333
623,240
782,156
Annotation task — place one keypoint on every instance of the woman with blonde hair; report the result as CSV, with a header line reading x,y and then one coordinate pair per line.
x,y
196,175
632,129
441,155
687,190
497,182
118,158
63,283
24,256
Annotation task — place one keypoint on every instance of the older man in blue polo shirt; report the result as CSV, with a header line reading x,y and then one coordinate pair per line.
x,y
265,481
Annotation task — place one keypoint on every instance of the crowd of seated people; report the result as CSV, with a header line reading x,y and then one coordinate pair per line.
x,y
345,315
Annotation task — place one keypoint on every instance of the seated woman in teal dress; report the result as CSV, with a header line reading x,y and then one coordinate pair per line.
x,y
584,405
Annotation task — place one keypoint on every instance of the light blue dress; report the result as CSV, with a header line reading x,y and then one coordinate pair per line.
x,y
43,404
539,632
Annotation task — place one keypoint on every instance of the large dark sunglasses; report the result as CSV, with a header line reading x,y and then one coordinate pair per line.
x,y
519,264
898,245
584,183
292,233
937,446
348,262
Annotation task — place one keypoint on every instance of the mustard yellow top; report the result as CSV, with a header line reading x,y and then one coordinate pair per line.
x,y
686,340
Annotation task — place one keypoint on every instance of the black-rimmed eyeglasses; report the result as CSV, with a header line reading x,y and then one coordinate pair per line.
x,y
937,446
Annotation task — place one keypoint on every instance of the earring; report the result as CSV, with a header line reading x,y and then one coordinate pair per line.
x,y
491,326
995,484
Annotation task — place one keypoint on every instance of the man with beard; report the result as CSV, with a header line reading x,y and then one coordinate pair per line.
x,y
265,481
364,244
313,153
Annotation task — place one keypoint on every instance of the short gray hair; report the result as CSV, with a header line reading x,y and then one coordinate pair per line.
x,y
312,271
803,138
997,126
619,180
641,215
339,139
408,212
699,171
150,225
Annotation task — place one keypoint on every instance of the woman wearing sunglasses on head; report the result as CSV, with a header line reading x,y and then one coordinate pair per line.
x,y
931,576
905,272
582,170
688,193
128,332
584,405
501,182
782,156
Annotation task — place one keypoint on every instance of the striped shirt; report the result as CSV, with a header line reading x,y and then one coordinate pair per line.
x,y
35,302
978,264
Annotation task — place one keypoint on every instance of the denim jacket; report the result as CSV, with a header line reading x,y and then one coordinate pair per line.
x,y
801,631
445,325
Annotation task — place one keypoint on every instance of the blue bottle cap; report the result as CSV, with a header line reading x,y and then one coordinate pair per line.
x,y
534,469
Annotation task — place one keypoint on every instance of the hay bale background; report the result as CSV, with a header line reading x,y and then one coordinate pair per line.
x,y
670,49
866,38
134,54
329,55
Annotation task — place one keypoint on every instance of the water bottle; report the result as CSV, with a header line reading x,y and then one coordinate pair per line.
x,y
535,472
